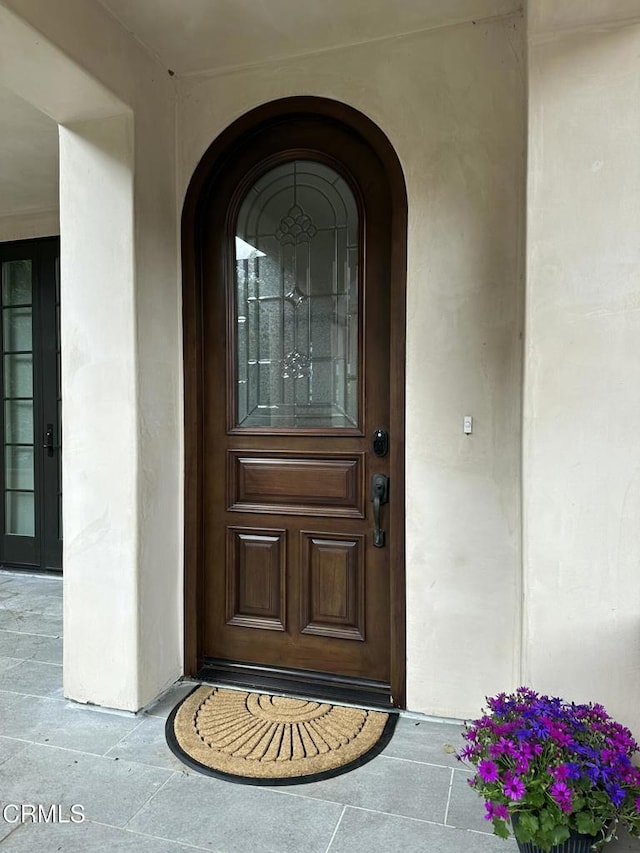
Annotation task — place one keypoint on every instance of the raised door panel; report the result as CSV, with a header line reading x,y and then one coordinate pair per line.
x,y
296,485
332,585
256,588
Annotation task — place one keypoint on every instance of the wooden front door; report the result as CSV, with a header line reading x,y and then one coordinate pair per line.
x,y
295,247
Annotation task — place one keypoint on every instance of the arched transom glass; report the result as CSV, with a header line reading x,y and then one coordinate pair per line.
x,y
296,300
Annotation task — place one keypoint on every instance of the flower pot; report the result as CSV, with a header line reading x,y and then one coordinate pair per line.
x,y
575,844
549,766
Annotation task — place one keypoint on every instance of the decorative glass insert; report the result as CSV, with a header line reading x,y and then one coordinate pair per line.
x,y
17,358
296,300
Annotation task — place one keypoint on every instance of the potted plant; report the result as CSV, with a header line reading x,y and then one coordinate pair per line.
x,y
560,775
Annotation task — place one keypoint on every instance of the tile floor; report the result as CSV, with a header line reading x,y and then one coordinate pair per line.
x,y
138,797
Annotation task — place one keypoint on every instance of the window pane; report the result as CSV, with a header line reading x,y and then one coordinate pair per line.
x,y
16,283
18,472
18,421
19,514
18,376
296,300
17,329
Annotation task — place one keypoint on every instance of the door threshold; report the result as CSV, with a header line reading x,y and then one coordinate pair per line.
x,y
30,571
307,684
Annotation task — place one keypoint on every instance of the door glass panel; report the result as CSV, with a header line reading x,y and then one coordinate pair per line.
x,y
18,467
16,283
17,329
17,363
18,375
20,516
296,301
18,421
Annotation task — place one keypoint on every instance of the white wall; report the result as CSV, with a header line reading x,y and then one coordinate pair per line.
x,y
582,388
452,103
100,538
549,17
123,514
25,226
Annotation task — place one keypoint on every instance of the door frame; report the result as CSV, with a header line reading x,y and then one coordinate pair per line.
x,y
197,197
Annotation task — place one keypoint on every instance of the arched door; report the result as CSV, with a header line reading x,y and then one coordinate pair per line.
x,y
295,257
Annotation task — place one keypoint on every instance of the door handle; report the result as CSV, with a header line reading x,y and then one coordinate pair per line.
x,y
48,440
379,496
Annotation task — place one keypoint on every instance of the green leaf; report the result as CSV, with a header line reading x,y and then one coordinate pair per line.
x,y
529,822
586,824
500,828
560,834
547,820
535,798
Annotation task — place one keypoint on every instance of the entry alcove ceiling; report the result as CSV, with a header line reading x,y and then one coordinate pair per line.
x,y
195,36
28,158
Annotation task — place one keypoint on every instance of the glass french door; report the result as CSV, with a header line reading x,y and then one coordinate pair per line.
x,y
31,405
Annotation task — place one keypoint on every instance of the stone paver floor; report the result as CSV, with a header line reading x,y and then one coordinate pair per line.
x,y
136,796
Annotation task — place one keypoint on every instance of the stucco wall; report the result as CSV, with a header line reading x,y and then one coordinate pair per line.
x,y
452,103
25,226
121,332
582,388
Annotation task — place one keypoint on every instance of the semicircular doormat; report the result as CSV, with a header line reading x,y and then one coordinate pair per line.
x,y
261,739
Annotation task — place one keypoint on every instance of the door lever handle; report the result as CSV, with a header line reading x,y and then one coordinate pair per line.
x,y
48,440
379,496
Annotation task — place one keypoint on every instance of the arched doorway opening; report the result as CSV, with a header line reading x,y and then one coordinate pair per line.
x,y
294,275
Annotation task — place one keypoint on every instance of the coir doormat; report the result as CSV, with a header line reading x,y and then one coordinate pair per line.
x,y
261,739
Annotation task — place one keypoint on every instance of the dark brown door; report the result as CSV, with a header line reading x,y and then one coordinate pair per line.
x,y
295,331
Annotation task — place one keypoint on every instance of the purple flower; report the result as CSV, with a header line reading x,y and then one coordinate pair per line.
x,y
562,795
574,770
593,774
560,736
501,811
582,756
502,747
560,774
467,752
488,771
514,788
616,794
496,810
